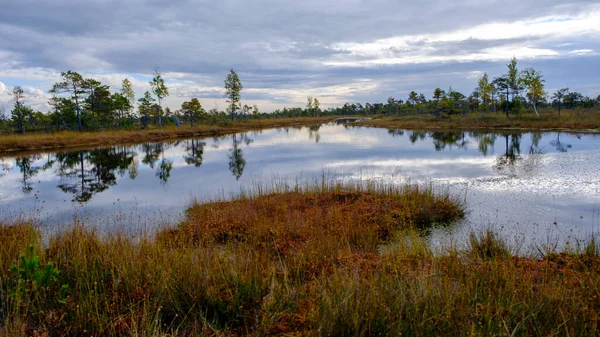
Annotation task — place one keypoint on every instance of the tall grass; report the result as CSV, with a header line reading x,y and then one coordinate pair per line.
x,y
321,259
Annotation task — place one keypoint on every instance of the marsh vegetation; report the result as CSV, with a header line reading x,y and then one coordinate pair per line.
x,y
319,259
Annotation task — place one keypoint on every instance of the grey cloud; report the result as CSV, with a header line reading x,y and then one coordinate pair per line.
x,y
271,43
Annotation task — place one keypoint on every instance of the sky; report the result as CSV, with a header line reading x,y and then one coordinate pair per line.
x,y
283,51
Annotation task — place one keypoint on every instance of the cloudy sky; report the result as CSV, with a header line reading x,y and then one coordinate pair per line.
x,y
283,50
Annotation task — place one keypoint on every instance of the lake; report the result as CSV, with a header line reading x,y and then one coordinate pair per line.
x,y
536,189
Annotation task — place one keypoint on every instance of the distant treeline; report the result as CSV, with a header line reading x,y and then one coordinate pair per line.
x,y
79,103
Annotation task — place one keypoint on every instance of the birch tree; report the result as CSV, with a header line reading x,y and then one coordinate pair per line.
x,y
532,79
160,90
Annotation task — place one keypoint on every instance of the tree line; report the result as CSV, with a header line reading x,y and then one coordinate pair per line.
x,y
511,93
79,103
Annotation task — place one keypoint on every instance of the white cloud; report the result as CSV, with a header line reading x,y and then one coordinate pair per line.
x,y
4,100
425,48
581,51
4,93
33,97
488,54
551,26
36,98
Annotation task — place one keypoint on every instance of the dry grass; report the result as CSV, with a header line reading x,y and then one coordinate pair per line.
x,y
321,260
587,120
70,140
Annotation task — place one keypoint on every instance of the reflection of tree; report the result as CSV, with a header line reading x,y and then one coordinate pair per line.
x,y
72,165
247,140
28,170
195,150
485,142
164,170
560,146
4,167
395,132
512,152
217,141
441,139
152,152
536,137
236,157
417,135
84,174
313,133
133,169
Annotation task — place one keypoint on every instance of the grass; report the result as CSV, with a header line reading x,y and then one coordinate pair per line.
x,y
324,259
588,119
70,140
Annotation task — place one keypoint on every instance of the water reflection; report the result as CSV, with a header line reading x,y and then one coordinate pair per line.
x,y
512,153
313,133
195,151
152,152
4,167
163,177
441,139
417,135
164,170
236,155
84,174
485,142
28,171
534,148
560,146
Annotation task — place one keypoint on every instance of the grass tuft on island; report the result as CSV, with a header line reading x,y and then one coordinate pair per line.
x,y
325,259
72,139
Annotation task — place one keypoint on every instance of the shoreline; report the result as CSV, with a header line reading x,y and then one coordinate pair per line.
x,y
70,140
589,123
35,143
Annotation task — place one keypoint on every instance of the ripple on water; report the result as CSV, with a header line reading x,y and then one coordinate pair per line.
x,y
542,200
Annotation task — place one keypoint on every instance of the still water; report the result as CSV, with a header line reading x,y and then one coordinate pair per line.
x,y
534,188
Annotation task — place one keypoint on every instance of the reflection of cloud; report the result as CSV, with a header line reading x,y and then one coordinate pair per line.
x,y
572,173
413,163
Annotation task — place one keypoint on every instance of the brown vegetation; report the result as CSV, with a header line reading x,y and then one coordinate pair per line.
x,y
584,120
328,260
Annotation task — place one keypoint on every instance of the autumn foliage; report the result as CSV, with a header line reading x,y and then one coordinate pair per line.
x,y
326,259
